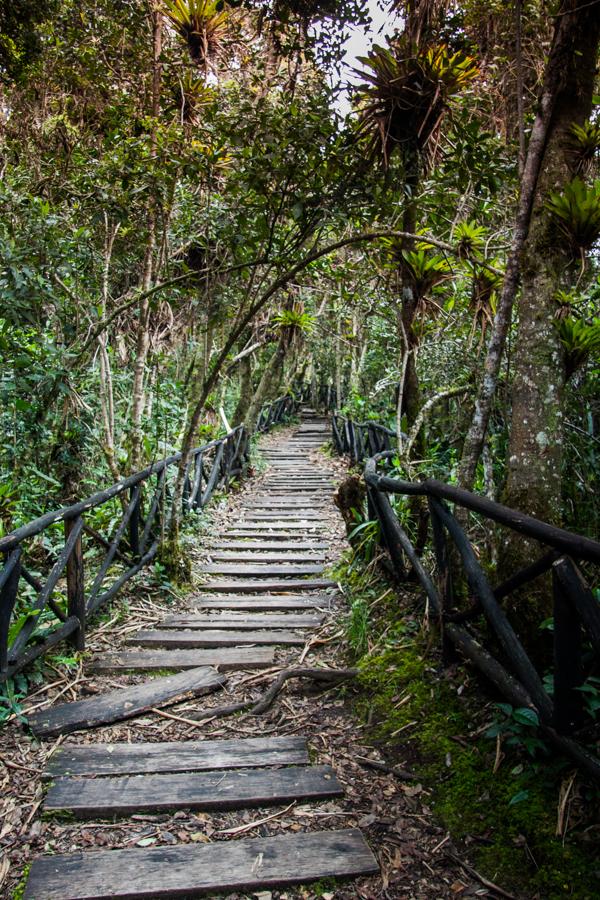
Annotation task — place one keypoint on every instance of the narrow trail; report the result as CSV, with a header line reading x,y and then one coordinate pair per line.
x,y
143,801
248,606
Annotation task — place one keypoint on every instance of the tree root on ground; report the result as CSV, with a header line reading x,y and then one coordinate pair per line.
x,y
255,708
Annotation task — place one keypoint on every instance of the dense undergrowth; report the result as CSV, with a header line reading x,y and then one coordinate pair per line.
x,y
524,816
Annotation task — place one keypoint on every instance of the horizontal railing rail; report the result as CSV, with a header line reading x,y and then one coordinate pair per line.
x,y
576,611
40,609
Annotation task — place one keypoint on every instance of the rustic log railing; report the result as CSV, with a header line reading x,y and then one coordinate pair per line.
x,y
360,440
576,626
37,612
277,412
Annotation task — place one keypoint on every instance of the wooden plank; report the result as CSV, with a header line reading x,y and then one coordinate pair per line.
x,y
264,603
176,756
242,621
290,546
280,525
262,557
269,503
275,586
196,870
285,521
143,660
123,703
297,515
178,640
265,571
263,535
89,798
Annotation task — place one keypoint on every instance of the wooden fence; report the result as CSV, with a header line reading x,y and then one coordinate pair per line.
x,y
39,611
576,611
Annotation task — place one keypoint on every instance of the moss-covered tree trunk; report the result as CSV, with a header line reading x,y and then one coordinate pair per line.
x,y
535,449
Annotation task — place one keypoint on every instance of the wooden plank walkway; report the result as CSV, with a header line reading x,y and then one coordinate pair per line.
x,y
260,596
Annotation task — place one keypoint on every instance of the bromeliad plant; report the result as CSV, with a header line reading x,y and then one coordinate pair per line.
x,y
202,24
580,340
405,94
576,214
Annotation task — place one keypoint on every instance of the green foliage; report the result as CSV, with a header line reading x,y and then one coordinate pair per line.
x,y
583,145
469,238
580,339
576,213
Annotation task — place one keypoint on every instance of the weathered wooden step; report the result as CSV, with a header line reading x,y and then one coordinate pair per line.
x,y
265,603
296,515
124,703
235,621
289,546
258,557
269,502
89,798
270,586
176,756
145,660
192,870
263,534
179,640
281,526
266,571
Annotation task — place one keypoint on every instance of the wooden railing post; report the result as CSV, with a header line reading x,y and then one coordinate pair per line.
x,y
444,581
568,667
9,586
134,524
75,585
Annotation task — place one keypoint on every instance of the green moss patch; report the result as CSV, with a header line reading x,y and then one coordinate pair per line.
x,y
492,795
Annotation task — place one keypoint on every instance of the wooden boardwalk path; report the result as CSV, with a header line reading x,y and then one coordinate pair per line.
x,y
265,590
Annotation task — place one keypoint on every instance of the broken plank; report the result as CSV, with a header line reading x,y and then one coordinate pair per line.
x,y
160,873
88,798
171,639
123,703
176,756
144,660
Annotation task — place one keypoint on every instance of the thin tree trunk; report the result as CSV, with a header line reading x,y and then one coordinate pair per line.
x,y
142,343
269,383
245,397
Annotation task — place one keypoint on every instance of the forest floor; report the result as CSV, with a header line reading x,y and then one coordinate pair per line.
x,y
414,851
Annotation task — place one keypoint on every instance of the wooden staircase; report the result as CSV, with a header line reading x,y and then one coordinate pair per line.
x,y
265,590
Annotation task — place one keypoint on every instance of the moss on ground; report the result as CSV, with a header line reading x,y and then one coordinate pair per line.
x,y
436,719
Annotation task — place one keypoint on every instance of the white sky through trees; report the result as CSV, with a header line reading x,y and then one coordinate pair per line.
x,y
358,44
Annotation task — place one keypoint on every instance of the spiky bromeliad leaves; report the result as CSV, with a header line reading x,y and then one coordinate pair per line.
x,y
580,339
469,238
405,95
576,214
583,144
426,271
202,24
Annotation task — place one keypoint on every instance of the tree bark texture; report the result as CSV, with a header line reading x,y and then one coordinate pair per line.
x,y
535,450
558,65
